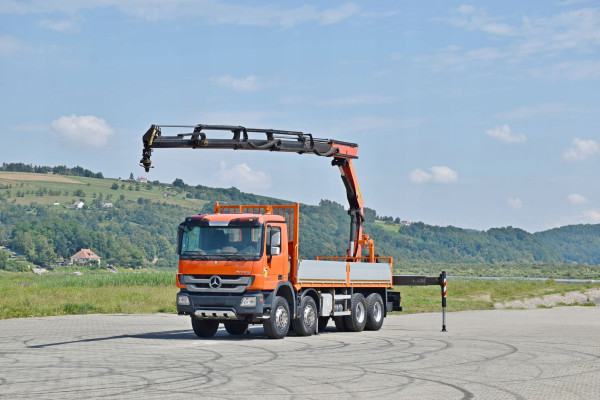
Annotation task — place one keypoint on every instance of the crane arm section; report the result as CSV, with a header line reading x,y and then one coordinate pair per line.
x,y
268,140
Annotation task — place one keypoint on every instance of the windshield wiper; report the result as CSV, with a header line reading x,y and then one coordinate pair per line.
x,y
233,257
199,254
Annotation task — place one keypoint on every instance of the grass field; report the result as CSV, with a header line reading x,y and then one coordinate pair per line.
x,y
465,294
61,293
30,295
24,188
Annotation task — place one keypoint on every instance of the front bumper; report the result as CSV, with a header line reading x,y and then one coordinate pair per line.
x,y
220,307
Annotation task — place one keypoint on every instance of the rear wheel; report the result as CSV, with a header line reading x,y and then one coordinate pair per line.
x,y
278,324
236,328
204,328
306,323
356,321
374,312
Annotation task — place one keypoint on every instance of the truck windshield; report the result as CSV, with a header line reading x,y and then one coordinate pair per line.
x,y
223,241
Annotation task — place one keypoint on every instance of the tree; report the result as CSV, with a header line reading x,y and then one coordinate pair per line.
x,y
4,255
23,243
131,178
179,183
115,186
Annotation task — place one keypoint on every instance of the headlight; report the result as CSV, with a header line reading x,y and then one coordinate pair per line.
x,y
183,301
248,302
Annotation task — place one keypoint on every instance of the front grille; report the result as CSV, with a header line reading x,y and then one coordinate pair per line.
x,y
228,283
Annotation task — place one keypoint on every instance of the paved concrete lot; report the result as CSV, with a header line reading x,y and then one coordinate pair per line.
x,y
533,354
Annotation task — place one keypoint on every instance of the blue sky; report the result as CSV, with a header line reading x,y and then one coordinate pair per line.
x,y
477,115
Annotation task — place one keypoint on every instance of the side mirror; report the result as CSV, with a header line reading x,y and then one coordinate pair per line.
x,y
275,248
276,239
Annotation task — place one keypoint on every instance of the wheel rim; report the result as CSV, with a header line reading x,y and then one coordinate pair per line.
x,y
377,312
360,313
281,318
310,316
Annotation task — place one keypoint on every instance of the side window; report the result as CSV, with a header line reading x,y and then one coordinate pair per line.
x,y
273,240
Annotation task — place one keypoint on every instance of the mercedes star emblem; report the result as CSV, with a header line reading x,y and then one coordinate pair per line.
x,y
215,282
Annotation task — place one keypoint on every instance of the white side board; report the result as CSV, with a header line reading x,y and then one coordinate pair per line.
x,y
313,271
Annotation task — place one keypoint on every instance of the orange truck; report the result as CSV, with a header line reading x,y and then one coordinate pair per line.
x,y
240,265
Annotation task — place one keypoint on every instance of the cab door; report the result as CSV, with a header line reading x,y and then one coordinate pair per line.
x,y
276,252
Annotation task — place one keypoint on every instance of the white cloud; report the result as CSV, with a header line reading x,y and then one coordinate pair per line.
x,y
212,11
84,130
457,58
515,203
444,175
534,42
247,84
505,134
592,216
438,174
335,15
65,25
472,19
570,70
8,44
577,199
581,150
466,9
420,176
243,177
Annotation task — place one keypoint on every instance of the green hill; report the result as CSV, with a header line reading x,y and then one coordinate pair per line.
x,y
131,224
574,243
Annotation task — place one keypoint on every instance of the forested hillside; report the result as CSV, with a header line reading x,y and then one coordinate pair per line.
x,y
133,224
575,243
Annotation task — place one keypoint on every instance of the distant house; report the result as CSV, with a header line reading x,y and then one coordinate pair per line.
x,y
404,223
106,204
78,205
141,179
83,256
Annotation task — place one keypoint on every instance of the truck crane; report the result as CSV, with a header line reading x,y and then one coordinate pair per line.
x,y
240,265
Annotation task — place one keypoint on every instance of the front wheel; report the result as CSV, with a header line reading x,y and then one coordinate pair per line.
x,y
278,324
204,328
306,323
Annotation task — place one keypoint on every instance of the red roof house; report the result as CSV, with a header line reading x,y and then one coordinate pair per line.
x,y
83,256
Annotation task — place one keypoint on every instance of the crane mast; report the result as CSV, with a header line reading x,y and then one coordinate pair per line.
x,y
271,140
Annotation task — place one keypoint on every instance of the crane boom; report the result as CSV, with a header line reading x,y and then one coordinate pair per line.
x,y
273,140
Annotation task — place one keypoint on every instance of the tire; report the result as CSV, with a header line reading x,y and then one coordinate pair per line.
x,y
323,321
374,312
356,321
236,328
204,328
306,322
339,324
278,324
